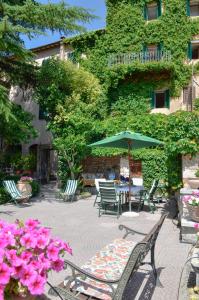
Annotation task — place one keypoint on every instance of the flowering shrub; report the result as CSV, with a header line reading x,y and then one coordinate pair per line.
x,y
26,179
27,254
192,199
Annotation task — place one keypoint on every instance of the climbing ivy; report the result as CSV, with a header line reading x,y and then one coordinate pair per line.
x,y
128,87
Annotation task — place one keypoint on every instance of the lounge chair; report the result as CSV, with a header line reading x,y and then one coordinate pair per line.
x,y
15,194
70,190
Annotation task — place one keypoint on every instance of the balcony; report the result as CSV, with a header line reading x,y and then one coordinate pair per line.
x,y
141,57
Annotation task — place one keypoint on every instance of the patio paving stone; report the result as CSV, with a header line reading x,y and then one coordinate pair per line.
x,y
78,224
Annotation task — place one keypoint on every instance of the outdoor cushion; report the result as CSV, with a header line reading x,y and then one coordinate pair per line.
x,y
109,264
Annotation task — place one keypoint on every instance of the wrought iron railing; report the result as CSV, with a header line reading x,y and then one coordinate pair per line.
x,y
142,57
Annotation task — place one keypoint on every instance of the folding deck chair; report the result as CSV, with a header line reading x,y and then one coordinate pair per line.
x,y
15,194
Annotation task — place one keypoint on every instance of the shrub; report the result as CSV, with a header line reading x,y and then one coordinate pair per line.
x,y
35,187
4,196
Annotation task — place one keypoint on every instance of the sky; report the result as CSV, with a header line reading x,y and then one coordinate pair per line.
x,y
98,8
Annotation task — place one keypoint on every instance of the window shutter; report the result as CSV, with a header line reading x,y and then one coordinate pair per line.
x,y
152,99
145,13
167,99
160,46
159,8
188,8
189,54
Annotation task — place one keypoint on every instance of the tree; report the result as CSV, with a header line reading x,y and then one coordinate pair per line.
x,y
73,100
30,18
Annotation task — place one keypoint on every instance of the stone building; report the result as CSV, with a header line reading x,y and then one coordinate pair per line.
x,y
162,100
41,146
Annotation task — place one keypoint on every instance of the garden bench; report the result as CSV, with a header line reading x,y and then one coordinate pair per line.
x,y
105,276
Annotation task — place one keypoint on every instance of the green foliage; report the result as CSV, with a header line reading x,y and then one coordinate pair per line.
x,y
18,128
197,173
35,188
30,18
23,162
4,196
73,99
128,32
128,86
196,104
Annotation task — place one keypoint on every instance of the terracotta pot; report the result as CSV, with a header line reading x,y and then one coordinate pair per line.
x,y
24,187
193,212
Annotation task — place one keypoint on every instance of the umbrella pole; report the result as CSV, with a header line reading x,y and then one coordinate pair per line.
x,y
129,158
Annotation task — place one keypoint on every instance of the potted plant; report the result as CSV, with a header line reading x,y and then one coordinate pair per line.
x,y
192,203
27,254
24,185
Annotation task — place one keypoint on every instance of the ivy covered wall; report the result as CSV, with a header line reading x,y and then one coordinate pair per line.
x,y
129,87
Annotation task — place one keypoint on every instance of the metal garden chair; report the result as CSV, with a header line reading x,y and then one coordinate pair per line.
x,y
109,199
97,189
69,191
15,194
148,196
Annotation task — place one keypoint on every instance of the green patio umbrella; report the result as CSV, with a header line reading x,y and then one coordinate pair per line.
x,y
127,140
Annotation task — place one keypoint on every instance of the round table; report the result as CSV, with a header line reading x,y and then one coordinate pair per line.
x,y
123,190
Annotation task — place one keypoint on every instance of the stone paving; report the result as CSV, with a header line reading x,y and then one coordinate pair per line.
x,y
78,223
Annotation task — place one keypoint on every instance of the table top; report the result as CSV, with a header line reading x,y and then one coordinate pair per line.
x,y
125,189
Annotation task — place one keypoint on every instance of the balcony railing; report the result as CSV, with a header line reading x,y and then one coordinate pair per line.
x,y
142,57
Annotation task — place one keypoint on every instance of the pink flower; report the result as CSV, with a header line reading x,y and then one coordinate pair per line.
x,y
5,273
58,265
196,225
42,242
52,252
36,286
26,256
44,231
28,241
32,224
2,252
45,263
2,287
27,275
13,258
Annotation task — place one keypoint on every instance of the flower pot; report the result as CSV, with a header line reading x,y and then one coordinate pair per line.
x,y
25,188
193,212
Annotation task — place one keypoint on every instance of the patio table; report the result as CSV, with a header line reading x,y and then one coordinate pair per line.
x,y
124,190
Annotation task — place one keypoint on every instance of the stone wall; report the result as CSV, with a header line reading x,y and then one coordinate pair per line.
x,y
189,168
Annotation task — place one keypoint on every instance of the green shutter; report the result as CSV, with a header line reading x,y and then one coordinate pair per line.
x,y
189,50
160,46
167,99
152,99
159,8
145,13
188,7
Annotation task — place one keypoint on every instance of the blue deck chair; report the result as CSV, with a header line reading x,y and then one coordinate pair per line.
x,y
15,194
70,190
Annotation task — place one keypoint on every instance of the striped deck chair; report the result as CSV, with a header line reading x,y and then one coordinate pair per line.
x,y
70,190
11,188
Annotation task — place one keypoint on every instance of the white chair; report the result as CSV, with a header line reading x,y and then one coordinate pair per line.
x,y
137,181
97,180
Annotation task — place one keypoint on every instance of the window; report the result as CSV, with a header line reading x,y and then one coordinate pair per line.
x,y
193,8
71,56
152,11
160,99
42,114
193,50
152,48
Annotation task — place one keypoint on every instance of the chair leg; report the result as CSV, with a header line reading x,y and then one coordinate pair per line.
x,y
96,199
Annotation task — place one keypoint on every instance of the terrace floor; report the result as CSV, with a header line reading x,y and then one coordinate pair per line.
x,y
78,224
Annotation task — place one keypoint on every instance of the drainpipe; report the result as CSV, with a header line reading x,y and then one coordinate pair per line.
x,y
62,48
